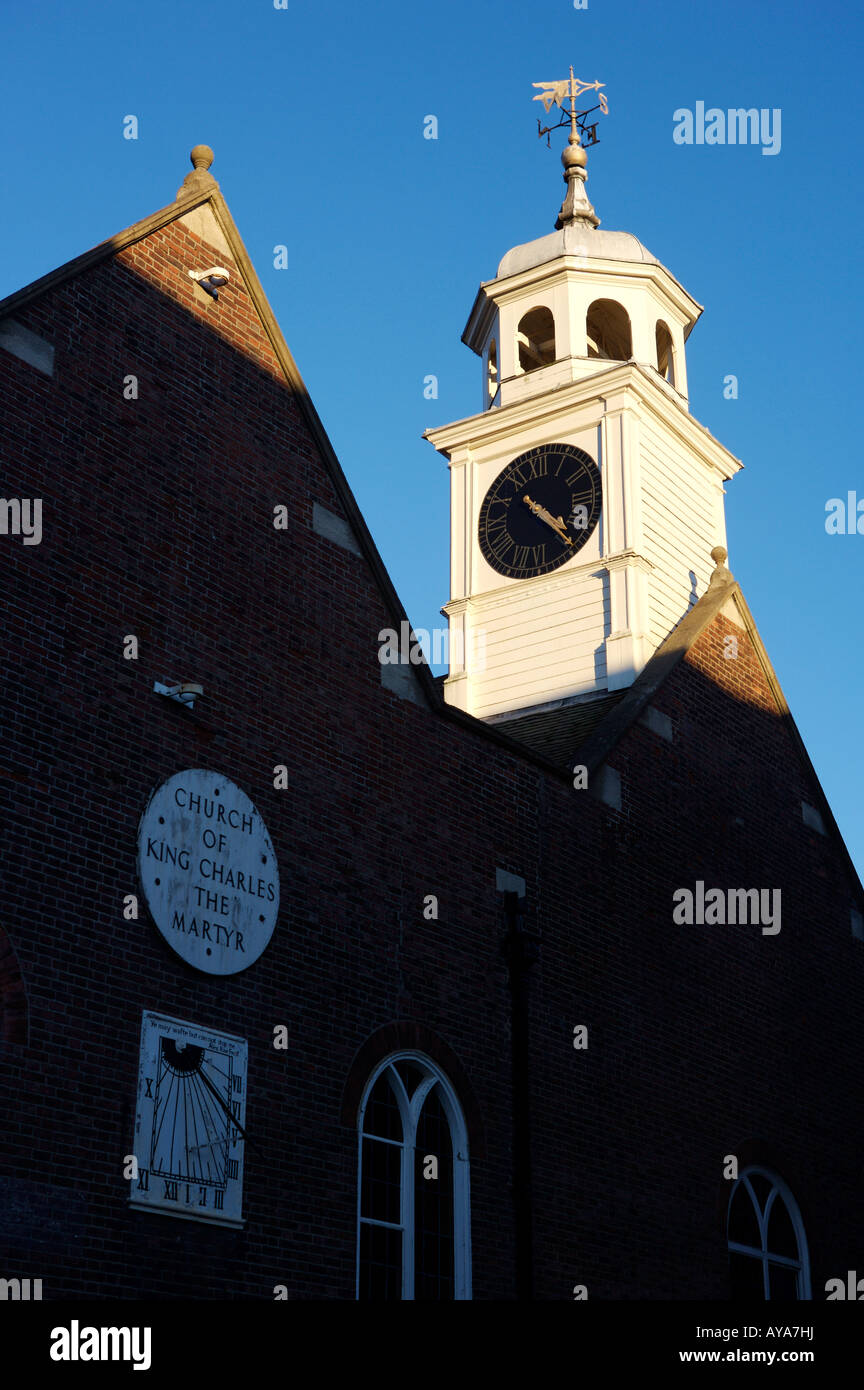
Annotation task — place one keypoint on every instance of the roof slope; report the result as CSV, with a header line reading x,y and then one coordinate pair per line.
x,y
555,733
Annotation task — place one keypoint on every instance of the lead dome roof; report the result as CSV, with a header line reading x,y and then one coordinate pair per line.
x,y
577,238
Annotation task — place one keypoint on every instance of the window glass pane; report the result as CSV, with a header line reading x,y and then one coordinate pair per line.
x,y
381,1184
380,1263
433,1204
783,1282
743,1222
747,1280
762,1186
781,1233
411,1075
382,1113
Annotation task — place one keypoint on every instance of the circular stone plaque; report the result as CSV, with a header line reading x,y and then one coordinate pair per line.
x,y
208,870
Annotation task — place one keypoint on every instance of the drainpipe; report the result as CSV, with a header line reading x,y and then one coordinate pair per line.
x,y
520,951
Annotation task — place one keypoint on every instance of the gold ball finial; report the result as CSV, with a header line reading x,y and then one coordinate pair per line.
x,y
573,156
719,555
202,157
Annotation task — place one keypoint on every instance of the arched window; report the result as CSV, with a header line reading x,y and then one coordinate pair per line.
x,y
767,1246
535,337
608,329
492,370
665,359
413,1239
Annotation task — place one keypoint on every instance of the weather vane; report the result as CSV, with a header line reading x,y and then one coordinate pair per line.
x,y
576,208
557,93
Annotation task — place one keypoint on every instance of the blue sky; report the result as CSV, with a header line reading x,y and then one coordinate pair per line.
x,y
316,116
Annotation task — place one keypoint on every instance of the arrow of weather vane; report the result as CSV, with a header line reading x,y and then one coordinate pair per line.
x,y
556,93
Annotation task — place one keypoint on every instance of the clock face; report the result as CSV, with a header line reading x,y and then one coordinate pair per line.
x,y
189,1121
540,511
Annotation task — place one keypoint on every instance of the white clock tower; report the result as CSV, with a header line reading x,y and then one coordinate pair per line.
x,y
581,335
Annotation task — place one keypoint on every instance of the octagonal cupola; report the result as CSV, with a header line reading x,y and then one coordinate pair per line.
x,y
568,305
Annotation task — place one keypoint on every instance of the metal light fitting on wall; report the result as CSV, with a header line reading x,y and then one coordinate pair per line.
x,y
183,694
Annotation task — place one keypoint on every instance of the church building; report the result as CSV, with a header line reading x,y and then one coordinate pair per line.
x,y
324,978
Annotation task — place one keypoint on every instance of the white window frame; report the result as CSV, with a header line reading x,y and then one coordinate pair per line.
x,y
802,1264
409,1111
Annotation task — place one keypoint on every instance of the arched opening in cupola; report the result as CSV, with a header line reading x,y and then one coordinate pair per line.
x,y
665,352
492,371
535,337
608,331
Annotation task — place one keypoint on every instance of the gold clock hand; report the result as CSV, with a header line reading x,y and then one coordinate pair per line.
x,y
556,523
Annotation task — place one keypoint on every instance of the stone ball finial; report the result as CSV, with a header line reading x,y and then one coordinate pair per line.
x,y
719,555
202,157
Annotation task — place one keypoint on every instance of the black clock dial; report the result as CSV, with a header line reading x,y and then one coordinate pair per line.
x,y
540,510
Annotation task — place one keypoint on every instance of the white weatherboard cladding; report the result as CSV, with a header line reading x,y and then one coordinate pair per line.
x,y
208,870
682,519
542,641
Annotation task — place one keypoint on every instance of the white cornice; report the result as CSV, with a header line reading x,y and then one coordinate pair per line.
x,y
628,559
561,578
629,383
